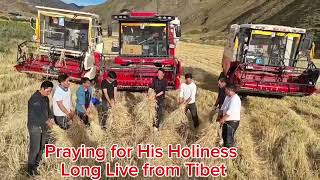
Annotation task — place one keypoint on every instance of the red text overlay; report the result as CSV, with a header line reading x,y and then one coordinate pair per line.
x,y
115,161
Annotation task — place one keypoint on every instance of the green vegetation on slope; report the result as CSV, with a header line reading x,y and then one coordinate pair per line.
x,y
12,32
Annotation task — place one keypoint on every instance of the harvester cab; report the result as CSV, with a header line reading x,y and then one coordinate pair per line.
x,y
270,60
65,42
147,42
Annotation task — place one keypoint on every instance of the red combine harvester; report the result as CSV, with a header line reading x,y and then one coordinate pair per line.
x,y
147,42
270,60
65,42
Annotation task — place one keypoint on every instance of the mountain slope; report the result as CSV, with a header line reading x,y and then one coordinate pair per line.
x,y
54,3
27,7
217,15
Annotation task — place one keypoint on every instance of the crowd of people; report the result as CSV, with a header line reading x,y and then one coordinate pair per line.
x,y
41,118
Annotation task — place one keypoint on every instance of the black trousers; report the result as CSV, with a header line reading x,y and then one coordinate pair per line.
x,y
194,114
84,118
228,131
104,114
38,139
160,112
62,122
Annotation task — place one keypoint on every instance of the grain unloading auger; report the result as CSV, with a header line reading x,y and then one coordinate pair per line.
x,y
147,42
270,60
65,42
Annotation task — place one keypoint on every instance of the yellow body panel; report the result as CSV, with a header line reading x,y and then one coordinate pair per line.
x,y
37,30
236,43
269,33
55,14
313,50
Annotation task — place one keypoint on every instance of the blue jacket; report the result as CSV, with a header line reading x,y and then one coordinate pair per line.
x,y
81,97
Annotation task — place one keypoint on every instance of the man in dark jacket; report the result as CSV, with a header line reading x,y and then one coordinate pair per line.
x,y
109,88
39,120
159,85
222,82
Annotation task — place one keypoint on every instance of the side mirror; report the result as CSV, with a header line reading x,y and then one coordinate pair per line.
x,y
33,23
306,48
115,47
178,31
307,43
109,30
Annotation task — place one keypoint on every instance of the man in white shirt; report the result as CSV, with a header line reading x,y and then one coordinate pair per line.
x,y
231,108
62,104
188,96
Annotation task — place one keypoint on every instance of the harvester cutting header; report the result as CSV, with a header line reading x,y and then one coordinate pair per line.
x,y
270,59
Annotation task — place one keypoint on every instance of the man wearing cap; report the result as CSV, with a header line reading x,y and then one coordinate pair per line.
x,y
231,109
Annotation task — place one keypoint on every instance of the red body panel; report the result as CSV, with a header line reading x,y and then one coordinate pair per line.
x,y
145,61
140,76
143,14
267,80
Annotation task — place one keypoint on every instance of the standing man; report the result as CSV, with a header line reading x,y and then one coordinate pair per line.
x,y
109,95
159,85
83,103
39,120
62,107
188,96
231,115
222,82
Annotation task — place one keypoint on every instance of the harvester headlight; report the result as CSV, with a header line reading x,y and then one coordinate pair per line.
x,y
249,67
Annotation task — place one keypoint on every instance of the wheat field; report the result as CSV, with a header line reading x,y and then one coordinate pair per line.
x,y
277,138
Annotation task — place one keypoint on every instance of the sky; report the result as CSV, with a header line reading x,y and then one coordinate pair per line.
x,y
84,2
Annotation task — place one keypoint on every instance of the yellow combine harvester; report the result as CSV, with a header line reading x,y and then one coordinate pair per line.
x,y
65,42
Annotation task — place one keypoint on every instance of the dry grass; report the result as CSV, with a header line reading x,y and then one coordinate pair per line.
x,y
120,125
277,138
145,114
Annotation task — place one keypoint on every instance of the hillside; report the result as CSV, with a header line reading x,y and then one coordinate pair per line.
x,y
54,3
27,7
202,16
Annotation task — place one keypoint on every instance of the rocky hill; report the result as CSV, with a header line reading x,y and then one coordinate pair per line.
x,y
217,15
27,7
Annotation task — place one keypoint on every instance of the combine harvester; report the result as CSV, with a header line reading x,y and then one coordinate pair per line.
x,y
270,60
70,42
147,42
64,42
